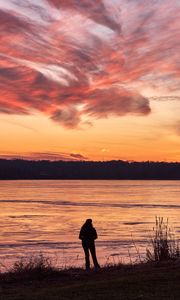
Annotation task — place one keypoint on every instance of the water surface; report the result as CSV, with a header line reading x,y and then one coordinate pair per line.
x,y
47,215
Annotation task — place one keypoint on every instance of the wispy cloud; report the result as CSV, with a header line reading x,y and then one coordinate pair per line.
x,y
52,156
74,60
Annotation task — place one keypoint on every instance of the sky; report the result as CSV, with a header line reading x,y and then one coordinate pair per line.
x,y
90,80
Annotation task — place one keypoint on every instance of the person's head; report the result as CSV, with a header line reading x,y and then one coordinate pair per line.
x,y
89,222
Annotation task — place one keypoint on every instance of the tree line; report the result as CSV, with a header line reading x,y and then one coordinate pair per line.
x,y
116,169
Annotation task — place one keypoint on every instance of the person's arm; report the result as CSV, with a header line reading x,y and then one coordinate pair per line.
x,y
81,235
95,236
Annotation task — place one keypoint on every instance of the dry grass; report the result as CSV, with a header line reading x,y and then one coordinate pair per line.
x,y
164,245
34,267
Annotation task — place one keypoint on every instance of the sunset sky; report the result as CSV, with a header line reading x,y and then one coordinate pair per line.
x,y
90,80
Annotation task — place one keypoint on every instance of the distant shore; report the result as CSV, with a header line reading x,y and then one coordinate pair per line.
x,y
19,169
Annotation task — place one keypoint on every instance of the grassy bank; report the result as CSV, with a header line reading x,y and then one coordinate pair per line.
x,y
143,281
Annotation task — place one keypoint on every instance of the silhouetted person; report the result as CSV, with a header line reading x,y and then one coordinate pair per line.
x,y
88,235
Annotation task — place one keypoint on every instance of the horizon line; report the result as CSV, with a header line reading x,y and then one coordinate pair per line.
x,y
87,161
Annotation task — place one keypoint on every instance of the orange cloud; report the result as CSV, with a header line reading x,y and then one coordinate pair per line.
x,y
75,60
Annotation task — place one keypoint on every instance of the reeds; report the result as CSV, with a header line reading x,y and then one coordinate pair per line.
x,y
164,245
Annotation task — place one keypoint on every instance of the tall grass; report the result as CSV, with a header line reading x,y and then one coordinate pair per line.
x,y
38,263
164,245
34,267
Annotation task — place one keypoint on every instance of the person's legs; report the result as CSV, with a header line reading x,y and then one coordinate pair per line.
x,y
93,254
86,252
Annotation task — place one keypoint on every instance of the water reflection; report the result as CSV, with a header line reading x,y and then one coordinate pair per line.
x,y
47,215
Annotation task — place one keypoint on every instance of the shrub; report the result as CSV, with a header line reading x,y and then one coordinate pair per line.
x,y
38,264
164,245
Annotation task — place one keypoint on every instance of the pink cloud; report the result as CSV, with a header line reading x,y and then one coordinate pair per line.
x,y
74,59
